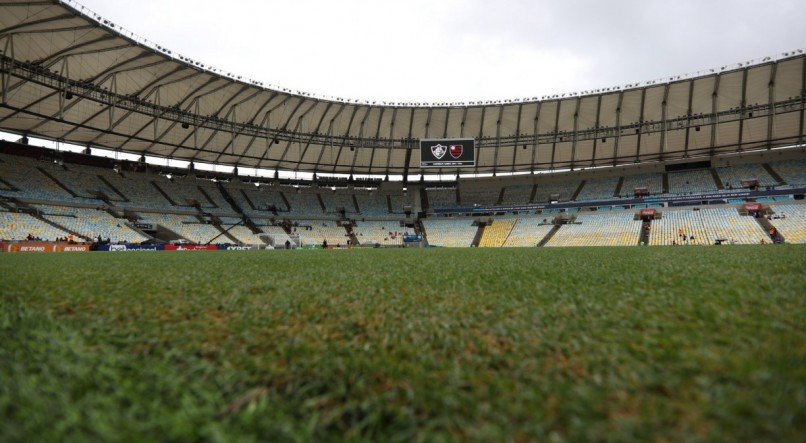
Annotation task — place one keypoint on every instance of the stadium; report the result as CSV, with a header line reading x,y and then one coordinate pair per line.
x,y
618,263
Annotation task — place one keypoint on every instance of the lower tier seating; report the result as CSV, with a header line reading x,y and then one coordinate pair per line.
x,y
614,229
454,233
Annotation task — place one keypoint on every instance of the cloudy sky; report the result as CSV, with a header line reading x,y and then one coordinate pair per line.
x,y
452,50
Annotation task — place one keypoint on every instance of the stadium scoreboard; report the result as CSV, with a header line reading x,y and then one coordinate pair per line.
x,y
444,153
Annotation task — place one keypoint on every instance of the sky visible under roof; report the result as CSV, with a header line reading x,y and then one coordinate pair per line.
x,y
451,50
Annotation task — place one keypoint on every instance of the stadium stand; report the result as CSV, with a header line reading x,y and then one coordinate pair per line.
x,y
668,229
442,197
314,232
528,232
792,171
450,232
186,226
546,191
732,176
517,194
243,234
652,181
16,226
478,195
277,234
304,202
614,229
67,185
691,182
91,223
598,189
372,203
727,224
790,220
496,233
30,182
139,190
386,233
337,200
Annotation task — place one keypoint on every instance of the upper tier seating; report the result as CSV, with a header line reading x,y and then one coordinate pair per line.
x,y
83,181
732,176
31,183
691,182
303,202
613,229
400,201
479,195
372,203
140,190
652,181
546,191
442,198
598,189
450,232
792,171
256,201
517,195
336,200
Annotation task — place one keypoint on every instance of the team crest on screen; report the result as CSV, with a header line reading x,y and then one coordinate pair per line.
x,y
456,151
439,151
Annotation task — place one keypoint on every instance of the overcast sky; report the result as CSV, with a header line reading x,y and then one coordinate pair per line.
x,y
451,50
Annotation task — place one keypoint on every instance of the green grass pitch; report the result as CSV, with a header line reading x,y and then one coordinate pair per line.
x,y
618,344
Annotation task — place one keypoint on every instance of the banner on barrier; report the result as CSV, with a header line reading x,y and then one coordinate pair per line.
x,y
127,248
31,247
191,248
72,248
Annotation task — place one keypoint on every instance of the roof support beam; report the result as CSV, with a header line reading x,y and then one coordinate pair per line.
x,y
297,126
714,115
535,143
497,139
771,104
576,127
517,136
313,133
391,138
618,127
330,136
802,98
663,114
743,107
479,138
640,128
596,127
377,139
556,134
689,111
21,26
346,133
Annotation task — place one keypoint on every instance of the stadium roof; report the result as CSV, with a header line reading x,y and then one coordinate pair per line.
x,y
71,75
